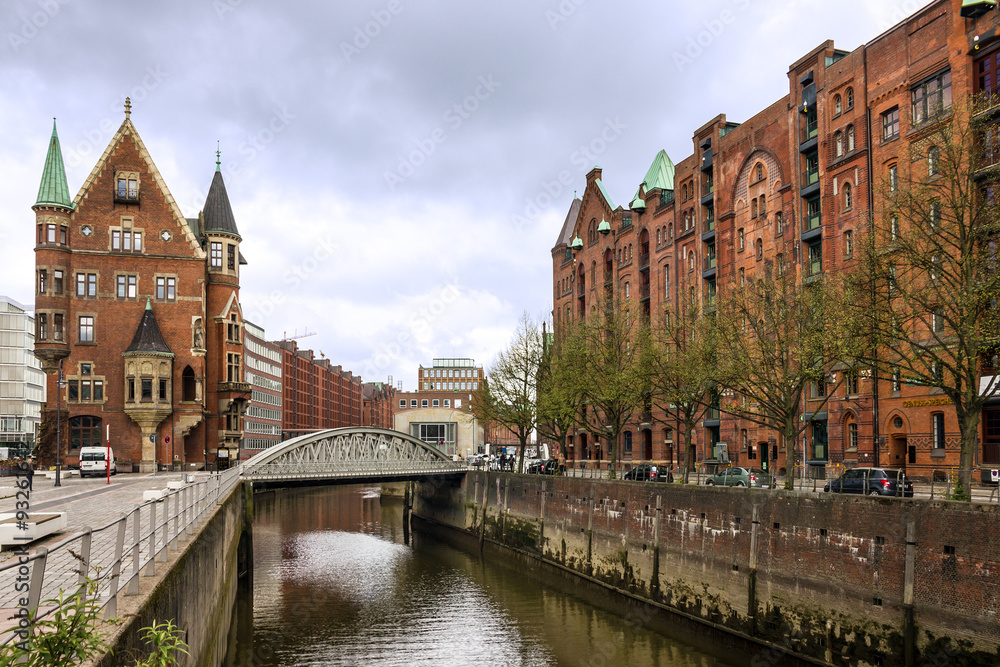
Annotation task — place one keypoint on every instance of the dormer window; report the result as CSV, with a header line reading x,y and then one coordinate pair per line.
x,y
216,255
127,186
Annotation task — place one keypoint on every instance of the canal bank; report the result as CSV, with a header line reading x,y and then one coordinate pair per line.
x,y
825,578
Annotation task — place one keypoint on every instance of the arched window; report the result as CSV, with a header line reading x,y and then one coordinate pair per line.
x,y
760,171
848,243
743,277
763,207
630,252
84,432
760,248
933,160
657,236
838,144
753,207
847,196
188,385
779,263
850,98
670,230
739,239
836,105
850,138
666,282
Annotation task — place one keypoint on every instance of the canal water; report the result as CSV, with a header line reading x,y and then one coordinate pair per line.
x,y
336,582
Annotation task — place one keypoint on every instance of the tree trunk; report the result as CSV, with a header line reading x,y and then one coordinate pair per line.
x,y
788,436
689,447
969,425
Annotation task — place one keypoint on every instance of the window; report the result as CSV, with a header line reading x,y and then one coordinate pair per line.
x,y
740,242
436,403
847,197
690,255
852,435
447,402
933,160
743,277
837,104
216,255
166,288
57,281
670,231
760,172
760,248
232,367
163,389
86,329
893,228
127,186
779,263
763,207
41,326
890,124
897,379
937,426
57,326
779,224
423,402
849,243
753,207
233,329
147,389
893,177
838,143
850,98
934,215
86,285
402,403
231,257
931,97
127,286
851,383
43,279
850,138
84,432
626,290
937,319
126,240
413,402
666,281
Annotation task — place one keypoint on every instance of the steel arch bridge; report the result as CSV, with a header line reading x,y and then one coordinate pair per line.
x,y
347,454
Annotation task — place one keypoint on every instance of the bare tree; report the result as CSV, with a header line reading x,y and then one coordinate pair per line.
x,y
777,336
559,400
926,293
683,364
508,395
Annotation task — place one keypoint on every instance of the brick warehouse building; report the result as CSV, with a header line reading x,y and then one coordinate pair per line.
x,y
137,307
316,394
788,189
378,402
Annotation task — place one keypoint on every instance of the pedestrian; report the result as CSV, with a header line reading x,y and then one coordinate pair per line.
x,y
30,473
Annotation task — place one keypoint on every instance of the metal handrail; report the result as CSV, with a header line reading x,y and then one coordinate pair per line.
x,y
198,499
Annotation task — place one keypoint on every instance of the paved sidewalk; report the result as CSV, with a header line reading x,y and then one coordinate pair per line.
x,y
88,503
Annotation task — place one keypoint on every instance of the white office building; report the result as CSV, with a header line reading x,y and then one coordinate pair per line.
x,y
22,382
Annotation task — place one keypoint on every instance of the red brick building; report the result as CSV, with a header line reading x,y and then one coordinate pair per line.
x,y
316,394
379,404
138,309
788,189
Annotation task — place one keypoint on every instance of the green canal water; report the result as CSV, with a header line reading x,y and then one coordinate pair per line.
x,y
337,582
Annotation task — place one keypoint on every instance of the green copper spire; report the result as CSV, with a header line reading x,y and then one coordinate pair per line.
x,y
53,190
149,304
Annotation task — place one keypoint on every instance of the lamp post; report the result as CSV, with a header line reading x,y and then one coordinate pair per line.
x,y
60,383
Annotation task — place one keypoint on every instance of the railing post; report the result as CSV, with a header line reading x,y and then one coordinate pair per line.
x,y
177,514
133,584
166,529
116,569
35,585
187,526
84,571
151,567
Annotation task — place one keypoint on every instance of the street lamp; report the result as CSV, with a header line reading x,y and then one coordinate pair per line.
x,y
60,383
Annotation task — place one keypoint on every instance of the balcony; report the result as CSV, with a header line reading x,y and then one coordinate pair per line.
x,y
126,195
706,197
709,263
709,304
812,225
812,269
808,134
608,278
644,292
810,180
644,260
580,289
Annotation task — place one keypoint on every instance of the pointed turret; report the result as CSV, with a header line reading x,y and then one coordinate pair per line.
x,y
148,364
53,190
218,212
147,337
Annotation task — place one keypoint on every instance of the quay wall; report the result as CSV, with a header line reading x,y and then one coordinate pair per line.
x,y
827,579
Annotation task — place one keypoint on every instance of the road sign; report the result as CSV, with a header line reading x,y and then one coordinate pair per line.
x,y
152,437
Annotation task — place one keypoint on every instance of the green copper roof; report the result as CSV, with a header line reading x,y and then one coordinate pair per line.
x,y
53,190
660,175
604,193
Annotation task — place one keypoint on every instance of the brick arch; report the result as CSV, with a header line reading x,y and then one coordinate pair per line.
x,y
771,163
889,429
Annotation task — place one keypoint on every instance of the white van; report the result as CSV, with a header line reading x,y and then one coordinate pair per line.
x,y
93,461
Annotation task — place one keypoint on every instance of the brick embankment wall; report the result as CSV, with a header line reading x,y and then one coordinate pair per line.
x,y
196,589
832,579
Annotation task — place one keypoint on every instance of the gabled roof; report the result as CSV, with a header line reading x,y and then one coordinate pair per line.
x,y
604,193
128,129
218,214
53,190
147,337
566,233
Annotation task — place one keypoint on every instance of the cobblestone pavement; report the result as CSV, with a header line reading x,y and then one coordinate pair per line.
x,y
88,503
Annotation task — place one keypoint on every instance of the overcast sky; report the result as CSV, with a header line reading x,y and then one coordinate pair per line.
x,y
396,167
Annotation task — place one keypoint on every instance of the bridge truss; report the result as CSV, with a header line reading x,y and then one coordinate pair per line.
x,y
346,454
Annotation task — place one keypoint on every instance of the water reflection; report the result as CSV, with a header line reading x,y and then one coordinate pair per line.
x,y
335,585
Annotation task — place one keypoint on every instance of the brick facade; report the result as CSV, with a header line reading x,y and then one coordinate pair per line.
x,y
316,394
773,191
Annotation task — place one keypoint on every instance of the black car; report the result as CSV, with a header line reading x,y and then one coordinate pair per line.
x,y
872,482
543,467
645,472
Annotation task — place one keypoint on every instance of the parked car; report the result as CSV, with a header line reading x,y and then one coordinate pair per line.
x,y
736,476
94,461
542,467
872,482
644,472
